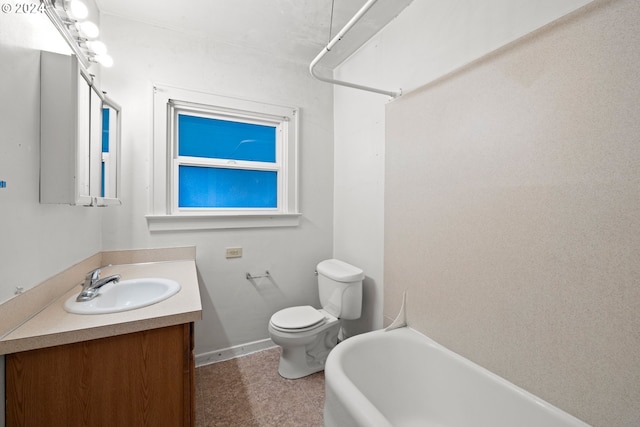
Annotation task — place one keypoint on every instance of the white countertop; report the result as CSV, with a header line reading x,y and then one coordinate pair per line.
x,y
55,326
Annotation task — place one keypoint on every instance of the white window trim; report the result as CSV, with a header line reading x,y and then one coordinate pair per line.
x,y
165,215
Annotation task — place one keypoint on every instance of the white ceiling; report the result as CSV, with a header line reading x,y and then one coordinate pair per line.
x,y
295,29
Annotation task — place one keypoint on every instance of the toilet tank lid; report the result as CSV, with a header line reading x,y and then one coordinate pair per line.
x,y
340,271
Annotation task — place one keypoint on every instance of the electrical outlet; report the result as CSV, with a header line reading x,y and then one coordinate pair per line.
x,y
233,253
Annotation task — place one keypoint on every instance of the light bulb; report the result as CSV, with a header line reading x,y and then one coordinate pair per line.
x,y
89,29
77,9
97,47
104,60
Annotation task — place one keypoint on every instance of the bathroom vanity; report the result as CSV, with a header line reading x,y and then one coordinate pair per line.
x,y
132,368
139,379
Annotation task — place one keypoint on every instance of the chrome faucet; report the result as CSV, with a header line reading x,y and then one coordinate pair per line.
x,y
93,282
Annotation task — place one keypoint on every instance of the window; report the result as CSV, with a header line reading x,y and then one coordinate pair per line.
x,y
222,162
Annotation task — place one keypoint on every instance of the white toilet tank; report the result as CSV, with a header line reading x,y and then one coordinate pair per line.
x,y
340,288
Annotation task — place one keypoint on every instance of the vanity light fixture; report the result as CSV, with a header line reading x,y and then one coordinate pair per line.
x,y
89,29
69,18
76,9
100,53
97,47
104,60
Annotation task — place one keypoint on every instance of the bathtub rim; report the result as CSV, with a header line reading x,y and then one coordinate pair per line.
x,y
338,383
339,388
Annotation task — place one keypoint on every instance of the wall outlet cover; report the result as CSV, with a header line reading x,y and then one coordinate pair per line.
x,y
233,252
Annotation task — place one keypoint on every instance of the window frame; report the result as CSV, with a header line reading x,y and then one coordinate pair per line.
x,y
111,159
166,215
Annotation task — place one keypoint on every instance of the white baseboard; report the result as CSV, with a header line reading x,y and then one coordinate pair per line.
x,y
233,352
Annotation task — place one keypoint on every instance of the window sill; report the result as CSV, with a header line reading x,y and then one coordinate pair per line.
x,y
158,223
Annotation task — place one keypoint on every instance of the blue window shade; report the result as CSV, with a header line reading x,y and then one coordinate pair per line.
x,y
207,187
105,130
222,139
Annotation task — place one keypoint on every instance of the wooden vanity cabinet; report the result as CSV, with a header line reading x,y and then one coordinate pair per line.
x,y
139,379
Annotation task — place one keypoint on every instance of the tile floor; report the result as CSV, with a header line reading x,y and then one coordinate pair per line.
x,y
248,392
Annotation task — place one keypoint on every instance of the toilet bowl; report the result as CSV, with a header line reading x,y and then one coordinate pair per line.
x,y
304,349
307,334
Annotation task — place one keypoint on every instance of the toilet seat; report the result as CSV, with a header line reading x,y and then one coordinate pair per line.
x,y
297,319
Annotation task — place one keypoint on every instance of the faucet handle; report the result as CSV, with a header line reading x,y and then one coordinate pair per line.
x,y
93,274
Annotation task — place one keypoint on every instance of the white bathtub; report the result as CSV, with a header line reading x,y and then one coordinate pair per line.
x,y
403,378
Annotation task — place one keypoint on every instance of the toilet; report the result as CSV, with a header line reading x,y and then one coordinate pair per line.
x,y
307,334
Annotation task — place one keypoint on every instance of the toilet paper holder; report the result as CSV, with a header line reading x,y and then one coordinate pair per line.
x,y
266,274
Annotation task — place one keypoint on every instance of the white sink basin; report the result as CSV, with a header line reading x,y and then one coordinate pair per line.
x,y
124,295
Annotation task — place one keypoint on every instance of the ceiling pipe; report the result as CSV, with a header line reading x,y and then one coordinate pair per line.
x,y
336,39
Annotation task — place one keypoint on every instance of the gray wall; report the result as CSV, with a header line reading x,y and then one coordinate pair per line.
x,y
512,212
235,312
37,241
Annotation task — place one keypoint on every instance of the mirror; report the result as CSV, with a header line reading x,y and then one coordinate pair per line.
x,y
80,136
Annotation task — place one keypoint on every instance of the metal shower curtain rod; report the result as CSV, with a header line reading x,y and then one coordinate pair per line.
x,y
336,39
